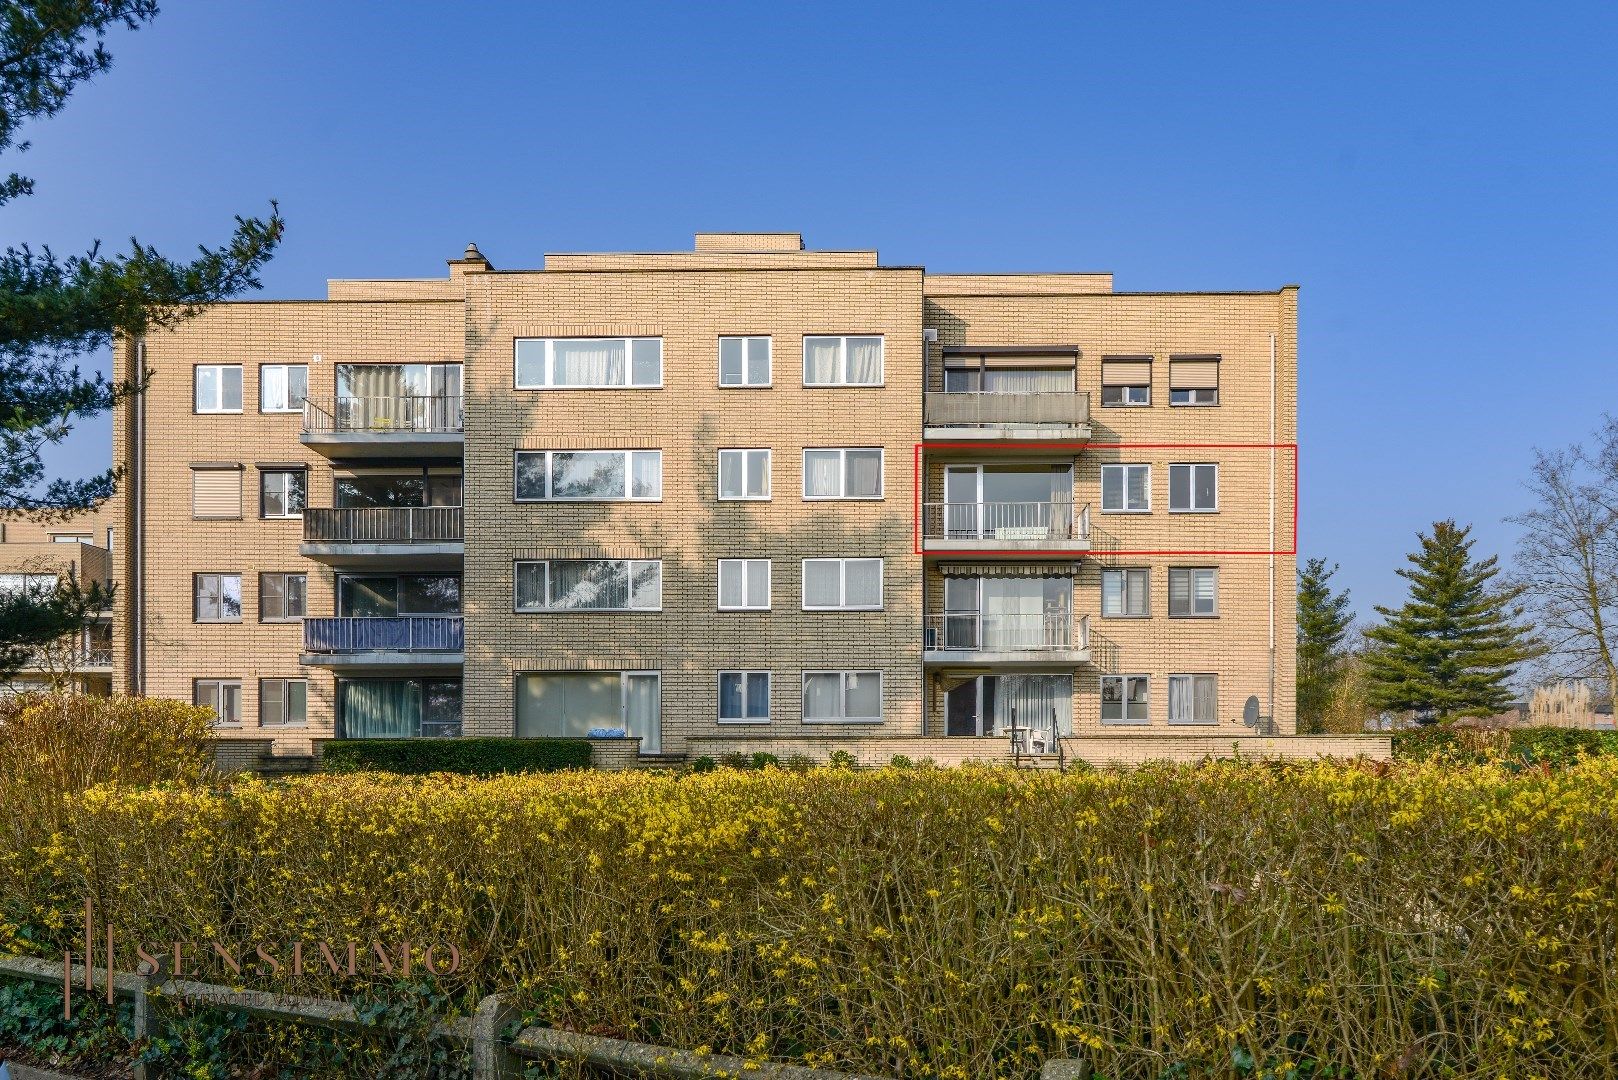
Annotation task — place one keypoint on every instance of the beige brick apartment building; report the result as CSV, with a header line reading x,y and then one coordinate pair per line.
x,y
745,496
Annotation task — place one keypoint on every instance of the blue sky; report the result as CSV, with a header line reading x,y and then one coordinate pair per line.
x,y
1440,180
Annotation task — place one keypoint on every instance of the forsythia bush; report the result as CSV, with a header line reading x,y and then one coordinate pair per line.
x,y
1227,920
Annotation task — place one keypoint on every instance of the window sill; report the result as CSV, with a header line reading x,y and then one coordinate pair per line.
x,y
288,620
844,385
1128,405
745,609
216,622
1148,510
1193,404
844,498
570,611
1215,510
747,386
1126,723
1195,618
1137,618
745,498
553,502
823,609
856,720
283,727
617,386
1194,723
738,722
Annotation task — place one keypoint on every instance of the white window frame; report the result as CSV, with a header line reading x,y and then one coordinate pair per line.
x,y
629,477
1194,675
1193,403
218,687
842,359
286,703
842,473
1124,595
842,696
550,364
285,576
769,477
196,596
1126,509
769,584
219,388
1191,573
1127,403
263,490
747,341
286,384
1123,720
746,675
1191,488
842,584
547,608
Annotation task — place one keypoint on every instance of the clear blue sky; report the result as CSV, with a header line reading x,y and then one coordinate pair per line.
x,y
1441,182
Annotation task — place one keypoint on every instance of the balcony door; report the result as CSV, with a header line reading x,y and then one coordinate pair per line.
x,y
421,397
1008,502
988,705
1008,614
574,704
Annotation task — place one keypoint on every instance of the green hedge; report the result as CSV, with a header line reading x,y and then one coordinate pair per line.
x,y
1556,747
475,757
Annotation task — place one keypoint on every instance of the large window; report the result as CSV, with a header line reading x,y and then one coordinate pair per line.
x,y
283,702
842,361
391,596
1193,592
842,473
589,475
35,585
744,474
842,696
589,585
842,584
390,397
223,696
995,704
576,704
218,388
282,387
744,361
588,363
1126,699
1126,381
282,493
744,584
1005,613
1193,699
1124,593
432,486
218,597
398,708
1126,489
744,697
1193,489
282,597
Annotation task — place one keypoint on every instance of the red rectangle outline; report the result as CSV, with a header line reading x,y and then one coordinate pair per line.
x,y
917,484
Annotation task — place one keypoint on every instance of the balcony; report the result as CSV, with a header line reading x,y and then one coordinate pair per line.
x,y
971,638
401,425
1005,527
384,537
412,642
988,415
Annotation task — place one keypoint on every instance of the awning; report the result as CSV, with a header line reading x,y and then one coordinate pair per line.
x,y
1010,569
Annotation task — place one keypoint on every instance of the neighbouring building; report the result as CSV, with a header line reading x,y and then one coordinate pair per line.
x,y
35,555
748,496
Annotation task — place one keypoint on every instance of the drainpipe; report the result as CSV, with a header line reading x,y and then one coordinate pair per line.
x,y
137,578
1271,709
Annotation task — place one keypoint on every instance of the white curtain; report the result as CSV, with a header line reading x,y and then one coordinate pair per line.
x,y
588,363
273,390
822,696
864,473
821,471
1033,700
643,711
821,579
647,469
1013,610
1181,699
864,696
1014,381
820,360
554,706
865,360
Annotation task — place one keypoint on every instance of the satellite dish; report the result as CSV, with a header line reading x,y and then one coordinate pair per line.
x,y
1250,711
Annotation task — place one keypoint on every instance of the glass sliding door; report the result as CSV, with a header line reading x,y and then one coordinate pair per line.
x,y
990,705
1008,502
398,708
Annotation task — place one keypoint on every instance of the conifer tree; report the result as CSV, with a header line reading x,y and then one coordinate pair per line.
x,y
1455,644
1323,624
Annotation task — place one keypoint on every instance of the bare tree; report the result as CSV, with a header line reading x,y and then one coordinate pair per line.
x,y
1567,557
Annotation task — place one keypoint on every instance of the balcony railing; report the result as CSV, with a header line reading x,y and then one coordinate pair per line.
x,y
1061,408
382,524
409,633
1005,521
978,632
396,414
94,657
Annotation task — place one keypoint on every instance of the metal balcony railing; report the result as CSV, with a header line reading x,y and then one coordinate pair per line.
x,y
1066,408
1005,521
403,414
95,657
406,633
382,524
977,632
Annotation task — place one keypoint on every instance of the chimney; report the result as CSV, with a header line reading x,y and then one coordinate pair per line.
x,y
470,262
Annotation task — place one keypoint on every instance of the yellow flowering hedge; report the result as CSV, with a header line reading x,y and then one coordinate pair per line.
x,y
1227,920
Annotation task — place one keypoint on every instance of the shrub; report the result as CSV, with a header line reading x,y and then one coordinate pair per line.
x,y
763,760
472,757
704,764
735,760
840,759
900,761
1555,747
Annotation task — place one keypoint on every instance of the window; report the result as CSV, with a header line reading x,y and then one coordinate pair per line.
x,y
1126,489
282,387
216,492
1193,592
34,585
282,597
744,697
744,474
282,492
1124,593
1193,489
842,696
1194,380
426,486
1193,699
218,597
1126,381
218,388
1125,699
744,361
223,696
992,705
744,584
282,702
842,361
398,708
842,584
574,704
588,363
589,585
589,475
398,595
842,474
72,538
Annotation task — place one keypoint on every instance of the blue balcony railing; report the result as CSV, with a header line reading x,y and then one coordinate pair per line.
x,y
411,633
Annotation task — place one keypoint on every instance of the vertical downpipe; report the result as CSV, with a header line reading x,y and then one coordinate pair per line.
x,y
1271,709
137,474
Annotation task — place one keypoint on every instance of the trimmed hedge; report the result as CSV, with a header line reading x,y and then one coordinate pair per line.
x,y
470,757
1555,747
